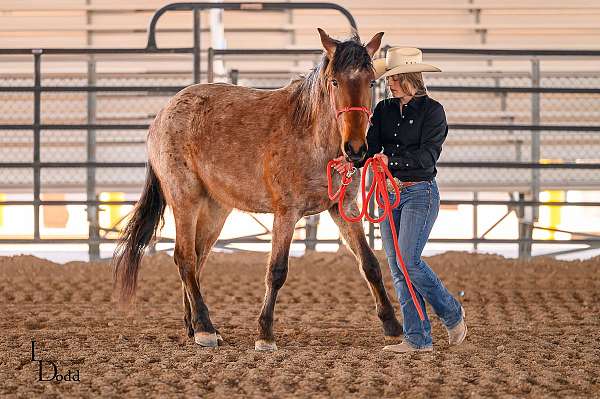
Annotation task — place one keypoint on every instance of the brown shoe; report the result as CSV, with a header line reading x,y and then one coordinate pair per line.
x,y
457,334
405,347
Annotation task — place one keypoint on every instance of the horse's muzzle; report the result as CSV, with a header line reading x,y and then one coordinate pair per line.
x,y
355,156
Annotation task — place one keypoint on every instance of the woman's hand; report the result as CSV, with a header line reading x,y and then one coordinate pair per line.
x,y
381,156
342,166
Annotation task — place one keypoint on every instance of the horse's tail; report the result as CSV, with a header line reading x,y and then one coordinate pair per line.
x,y
145,221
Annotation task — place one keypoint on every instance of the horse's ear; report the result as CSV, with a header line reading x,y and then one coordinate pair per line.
x,y
328,43
374,44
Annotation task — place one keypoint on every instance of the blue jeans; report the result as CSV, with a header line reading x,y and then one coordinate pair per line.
x,y
414,218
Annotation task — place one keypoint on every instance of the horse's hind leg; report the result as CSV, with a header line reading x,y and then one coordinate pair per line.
x,y
354,236
187,197
211,218
185,258
283,230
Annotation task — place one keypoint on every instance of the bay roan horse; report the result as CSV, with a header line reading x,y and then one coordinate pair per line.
x,y
215,147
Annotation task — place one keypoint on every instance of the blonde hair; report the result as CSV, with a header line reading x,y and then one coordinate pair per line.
x,y
411,83
415,79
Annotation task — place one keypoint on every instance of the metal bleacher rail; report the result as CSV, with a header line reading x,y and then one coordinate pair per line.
x,y
525,205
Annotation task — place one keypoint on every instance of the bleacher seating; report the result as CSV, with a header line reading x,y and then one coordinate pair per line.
x,y
109,23
549,24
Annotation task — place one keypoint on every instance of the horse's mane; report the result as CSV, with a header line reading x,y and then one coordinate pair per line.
x,y
310,90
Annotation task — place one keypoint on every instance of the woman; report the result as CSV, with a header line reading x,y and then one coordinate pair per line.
x,y
410,128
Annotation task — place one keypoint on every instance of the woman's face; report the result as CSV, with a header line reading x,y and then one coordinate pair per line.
x,y
393,83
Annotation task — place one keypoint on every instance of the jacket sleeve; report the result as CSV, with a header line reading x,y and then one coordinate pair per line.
x,y
434,132
374,145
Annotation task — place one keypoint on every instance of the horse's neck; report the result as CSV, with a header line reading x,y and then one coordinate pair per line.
x,y
322,134
325,131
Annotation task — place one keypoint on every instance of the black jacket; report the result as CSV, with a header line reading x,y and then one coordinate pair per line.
x,y
412,140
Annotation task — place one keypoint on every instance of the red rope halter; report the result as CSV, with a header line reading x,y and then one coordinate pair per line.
x,y
362,109
340,111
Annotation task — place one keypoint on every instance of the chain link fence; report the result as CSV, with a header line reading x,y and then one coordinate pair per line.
x,y
96,116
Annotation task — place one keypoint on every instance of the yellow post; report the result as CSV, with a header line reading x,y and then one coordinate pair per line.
x,y
554,212
113,211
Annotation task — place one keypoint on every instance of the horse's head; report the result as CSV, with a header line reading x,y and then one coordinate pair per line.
x,y
349,78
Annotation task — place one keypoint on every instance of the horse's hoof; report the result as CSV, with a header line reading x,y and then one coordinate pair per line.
x,y
392,328
265,346
206,339
219,339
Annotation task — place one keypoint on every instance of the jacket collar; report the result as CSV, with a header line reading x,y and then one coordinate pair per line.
x,y
416,103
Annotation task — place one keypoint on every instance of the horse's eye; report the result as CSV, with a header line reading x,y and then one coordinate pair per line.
x,y
372,83
334,82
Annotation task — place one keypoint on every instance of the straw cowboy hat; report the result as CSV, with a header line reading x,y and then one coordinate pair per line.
x,y
401,60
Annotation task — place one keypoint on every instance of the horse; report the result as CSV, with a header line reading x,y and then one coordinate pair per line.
x,y
216,147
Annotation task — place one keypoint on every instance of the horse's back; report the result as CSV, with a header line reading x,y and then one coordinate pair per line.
x,y
223,134
203,110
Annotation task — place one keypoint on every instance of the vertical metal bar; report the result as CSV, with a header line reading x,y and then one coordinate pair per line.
x,y
520,210
535,149
210,72
37,82
475,230
312,225
535,135
234,76
196,45
92,210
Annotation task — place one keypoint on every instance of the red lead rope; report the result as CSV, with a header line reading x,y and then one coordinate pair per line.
x,y
380,172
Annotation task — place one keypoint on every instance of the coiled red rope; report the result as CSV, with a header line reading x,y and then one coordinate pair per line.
x,y
379,189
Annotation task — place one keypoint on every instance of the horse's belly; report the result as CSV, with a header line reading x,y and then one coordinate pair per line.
x,y
252,195
239,191
314,198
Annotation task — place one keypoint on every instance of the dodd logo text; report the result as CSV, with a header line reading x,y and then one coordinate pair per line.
x,y
70,375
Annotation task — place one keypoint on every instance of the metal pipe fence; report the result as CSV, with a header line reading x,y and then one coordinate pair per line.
x,y
526,209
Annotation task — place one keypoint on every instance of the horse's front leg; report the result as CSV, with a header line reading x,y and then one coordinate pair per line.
x,y
283,230
354,236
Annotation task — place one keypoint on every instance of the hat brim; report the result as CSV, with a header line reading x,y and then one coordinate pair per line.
x,y
380,71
